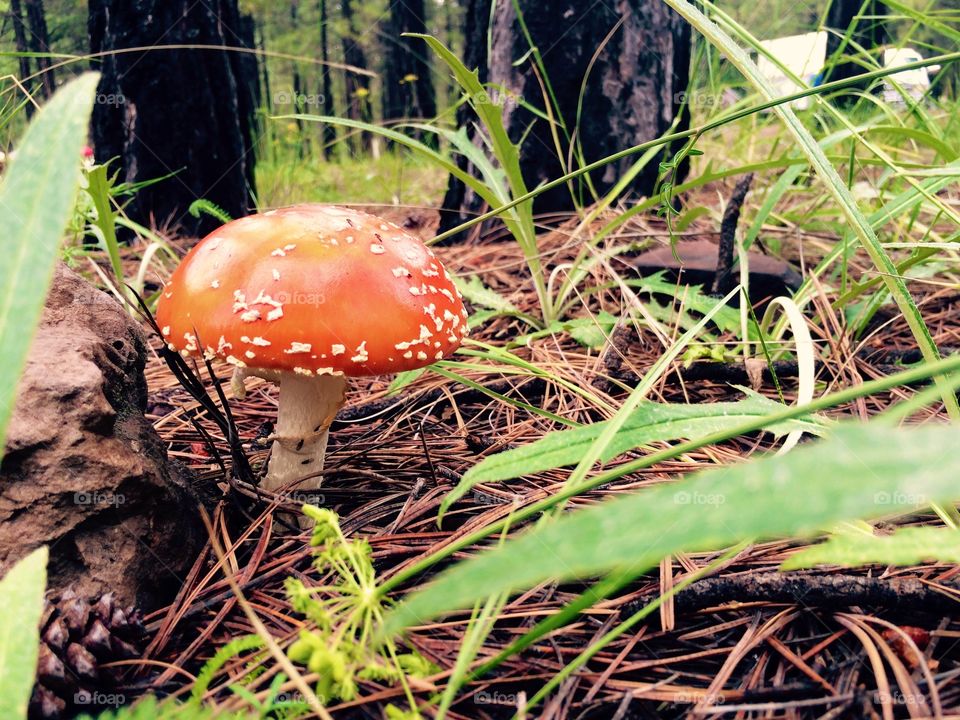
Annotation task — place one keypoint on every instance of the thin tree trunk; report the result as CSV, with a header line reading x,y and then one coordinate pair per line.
x,y
460,204
356,86
20,38
40,43
409,91
298,103
328,106
156,129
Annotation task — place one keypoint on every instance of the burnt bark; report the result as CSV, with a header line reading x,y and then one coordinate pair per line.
x,y
39,42
864,21
409,91
459,203
20,40
356,85
633,93
186,112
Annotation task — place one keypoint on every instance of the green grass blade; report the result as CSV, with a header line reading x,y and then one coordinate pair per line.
x,y
883,470
839,398
652,422
37,197
21,603
909,546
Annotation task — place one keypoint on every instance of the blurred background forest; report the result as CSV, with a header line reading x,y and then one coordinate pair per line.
x,y
348,59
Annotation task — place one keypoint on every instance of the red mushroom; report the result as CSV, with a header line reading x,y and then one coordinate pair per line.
x,y
307,296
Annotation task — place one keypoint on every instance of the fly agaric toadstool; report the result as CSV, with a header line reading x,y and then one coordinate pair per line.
x,y
305,297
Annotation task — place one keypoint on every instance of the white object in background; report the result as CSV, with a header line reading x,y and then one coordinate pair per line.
x,y
914,83
803,55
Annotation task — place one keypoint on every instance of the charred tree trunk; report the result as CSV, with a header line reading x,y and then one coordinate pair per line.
x,y
155,127
20,38
356,85
863,19
409,91
460,204
632,95
40,43
328,107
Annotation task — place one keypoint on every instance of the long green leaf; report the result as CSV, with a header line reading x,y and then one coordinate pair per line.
x,y
862,471
21,603
652,422
37,196
910,546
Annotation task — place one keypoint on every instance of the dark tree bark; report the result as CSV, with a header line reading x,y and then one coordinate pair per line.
x,y
864,20
328,106
179,111
459,204
633,93
40,43
356,85
409,91
20,38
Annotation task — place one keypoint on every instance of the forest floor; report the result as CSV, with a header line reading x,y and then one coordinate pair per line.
x,y
743,643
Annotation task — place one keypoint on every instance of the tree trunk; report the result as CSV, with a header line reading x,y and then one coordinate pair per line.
x,y
299,105
40,43
20,38
460,203
328,107
632,94
356,86
155,126
409,91
864,20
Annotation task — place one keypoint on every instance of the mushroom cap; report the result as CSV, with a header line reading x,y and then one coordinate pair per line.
x,y
313,289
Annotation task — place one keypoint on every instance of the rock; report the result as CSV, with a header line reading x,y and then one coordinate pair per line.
x,y
84,471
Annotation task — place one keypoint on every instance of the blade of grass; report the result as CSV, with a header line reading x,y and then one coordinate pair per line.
x,y
37,196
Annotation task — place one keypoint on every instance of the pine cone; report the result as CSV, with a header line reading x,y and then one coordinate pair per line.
x,y
76,638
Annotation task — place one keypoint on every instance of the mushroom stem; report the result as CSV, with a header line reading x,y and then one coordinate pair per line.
x,y
306,409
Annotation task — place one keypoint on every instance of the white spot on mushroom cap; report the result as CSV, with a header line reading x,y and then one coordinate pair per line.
x,y
215,284
250,354
362,354
250,316
165,330
276,274
338,349
278,253
298,347
377,249
259,341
